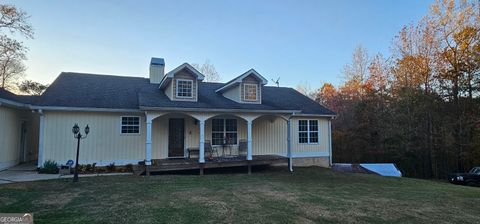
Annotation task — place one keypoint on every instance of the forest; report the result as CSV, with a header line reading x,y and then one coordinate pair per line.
x,y
418,108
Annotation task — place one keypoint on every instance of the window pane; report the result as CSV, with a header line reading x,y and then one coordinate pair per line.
x,y
313,137
217,125
217,138
313,125
231,124
302,125
130,125
302,137
250,91
184,88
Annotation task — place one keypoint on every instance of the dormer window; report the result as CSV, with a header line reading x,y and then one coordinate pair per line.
x,y
250,91
184,88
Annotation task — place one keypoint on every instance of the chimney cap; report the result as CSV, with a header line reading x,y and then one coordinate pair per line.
x,y
157,61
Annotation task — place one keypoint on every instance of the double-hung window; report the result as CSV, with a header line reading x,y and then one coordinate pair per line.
x,y
308,131
224,131
130,125
250,92
184,88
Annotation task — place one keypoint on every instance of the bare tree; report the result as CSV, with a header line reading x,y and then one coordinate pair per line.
x,y
32,88
305,89
208,69
12,52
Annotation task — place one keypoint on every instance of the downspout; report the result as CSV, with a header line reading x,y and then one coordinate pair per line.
x,y
289,144
40,138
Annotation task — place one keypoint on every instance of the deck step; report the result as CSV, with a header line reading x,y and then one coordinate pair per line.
x,y
138,170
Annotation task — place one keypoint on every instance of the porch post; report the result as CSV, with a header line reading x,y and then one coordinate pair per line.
x,y
289,145
201,154
148,142
40,139
249,139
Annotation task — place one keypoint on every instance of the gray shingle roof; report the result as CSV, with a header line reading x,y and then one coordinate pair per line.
x,y
25,99
119,92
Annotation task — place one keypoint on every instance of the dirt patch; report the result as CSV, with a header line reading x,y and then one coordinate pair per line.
x,y
59,200
274,194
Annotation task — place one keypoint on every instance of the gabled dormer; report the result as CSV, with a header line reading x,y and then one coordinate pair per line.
x,y
181,84
246,88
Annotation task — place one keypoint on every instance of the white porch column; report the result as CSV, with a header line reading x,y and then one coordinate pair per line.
x,y
148,142
289,145
201,154
40,139
249,139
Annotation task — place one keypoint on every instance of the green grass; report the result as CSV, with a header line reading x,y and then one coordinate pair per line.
x,y
309,195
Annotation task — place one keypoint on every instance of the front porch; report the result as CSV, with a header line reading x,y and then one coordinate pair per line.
x,y
192,140
164,165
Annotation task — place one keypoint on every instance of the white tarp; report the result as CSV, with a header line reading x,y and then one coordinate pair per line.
x,y
383,169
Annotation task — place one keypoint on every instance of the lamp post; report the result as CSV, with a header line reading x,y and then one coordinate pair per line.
x,y
78,135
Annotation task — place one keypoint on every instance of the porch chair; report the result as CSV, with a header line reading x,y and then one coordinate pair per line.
x,y
242,147
209,149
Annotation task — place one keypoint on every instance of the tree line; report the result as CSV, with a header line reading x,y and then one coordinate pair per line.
x,y
419,108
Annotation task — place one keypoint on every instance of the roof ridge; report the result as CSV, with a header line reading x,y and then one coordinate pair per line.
x,y
96,74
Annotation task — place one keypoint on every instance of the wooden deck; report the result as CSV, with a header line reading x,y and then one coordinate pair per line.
x,y
163,165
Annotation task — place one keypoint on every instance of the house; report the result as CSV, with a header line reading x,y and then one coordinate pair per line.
x,y
171,115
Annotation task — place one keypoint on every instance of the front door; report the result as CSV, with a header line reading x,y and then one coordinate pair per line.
x,y
176,135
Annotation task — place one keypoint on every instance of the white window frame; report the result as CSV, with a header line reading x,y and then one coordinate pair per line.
x,y
245,91
224,132
308,132
176,88
139,125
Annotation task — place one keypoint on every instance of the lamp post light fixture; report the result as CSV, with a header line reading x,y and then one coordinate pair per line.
x,y
78,135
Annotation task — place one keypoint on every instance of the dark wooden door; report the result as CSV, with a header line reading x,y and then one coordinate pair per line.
x,y
176,136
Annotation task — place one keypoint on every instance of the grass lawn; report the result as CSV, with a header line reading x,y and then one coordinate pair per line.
x,y
309,195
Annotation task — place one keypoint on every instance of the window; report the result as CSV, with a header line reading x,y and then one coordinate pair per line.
x,y
224,131
130,125
250,92
308,131
184,88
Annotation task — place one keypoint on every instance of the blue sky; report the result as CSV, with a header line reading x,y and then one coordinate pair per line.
x,y
298,41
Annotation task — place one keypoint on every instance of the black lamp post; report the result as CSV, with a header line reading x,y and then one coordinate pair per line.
x,y
78,136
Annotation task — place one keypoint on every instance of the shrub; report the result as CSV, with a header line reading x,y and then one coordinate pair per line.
x,y
50,167
129,167
111,167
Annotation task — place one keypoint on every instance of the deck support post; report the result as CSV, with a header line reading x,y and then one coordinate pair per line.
x,y
249,140
201,154
249,168
289,146
148,142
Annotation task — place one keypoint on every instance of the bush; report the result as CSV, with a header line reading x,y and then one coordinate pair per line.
x,y
129,167
111,167
50,167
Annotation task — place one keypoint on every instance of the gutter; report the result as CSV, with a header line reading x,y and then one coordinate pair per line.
x,y
217,110
14,103
87,109
314,115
